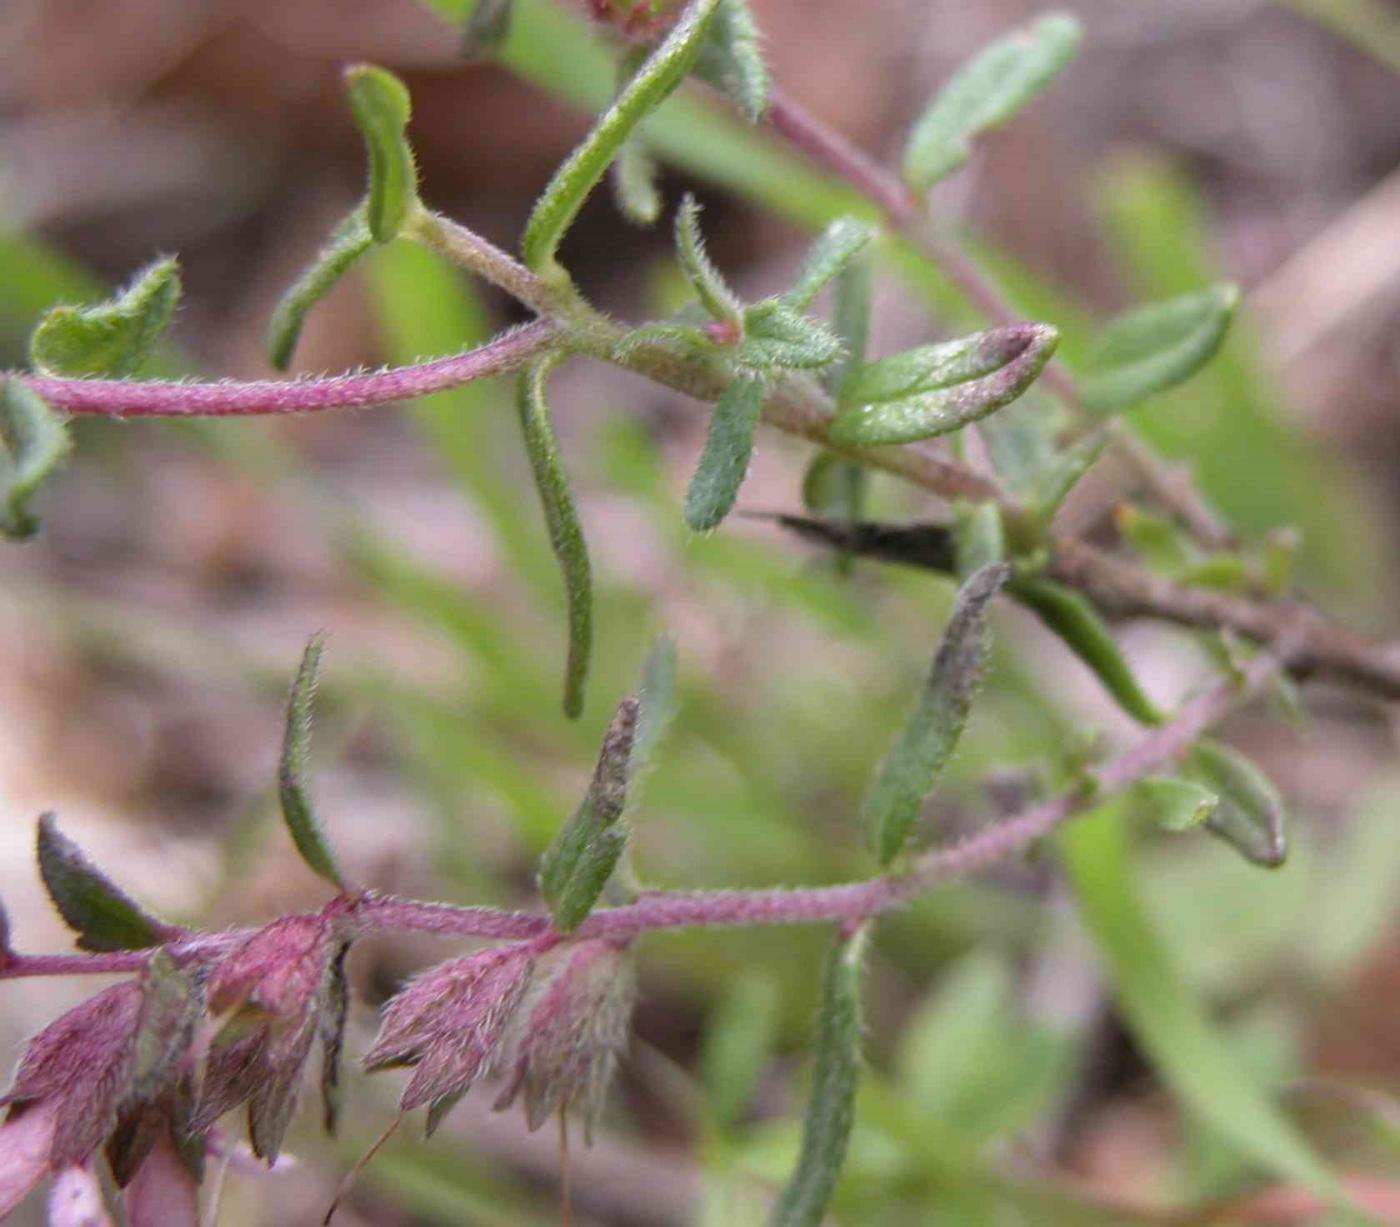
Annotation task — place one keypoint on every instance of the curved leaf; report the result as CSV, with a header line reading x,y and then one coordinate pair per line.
x,y
113,338
348,242
777,336
561,201
297,810
1250,816
1156,347
103,915
382,108
1081,629
705,279
987,92
576,866
565,527
928,740
731,59
940,388
834,249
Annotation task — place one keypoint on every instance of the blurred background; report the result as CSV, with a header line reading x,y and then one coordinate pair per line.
x,y
147,636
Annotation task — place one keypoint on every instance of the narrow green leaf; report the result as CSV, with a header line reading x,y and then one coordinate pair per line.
x,y
1175,805
940,388
776,336
634,184
565,527
634,172
731,59
576,866
487,28
113,338
725,460
1250,817
297,810
928,740
348,242
1156,347
35,443
561,201
738,1041
1166,1019
834,249
826,1131
103,915
330,1027
987,92
382,108
1081,629
705,279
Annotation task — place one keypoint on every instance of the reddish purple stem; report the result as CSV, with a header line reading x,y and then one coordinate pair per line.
x,y
160,398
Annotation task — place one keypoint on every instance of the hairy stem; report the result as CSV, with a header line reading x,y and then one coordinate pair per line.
x,y
161,398
855,901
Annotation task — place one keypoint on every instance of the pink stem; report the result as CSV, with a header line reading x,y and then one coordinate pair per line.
x,y
848,904
160,398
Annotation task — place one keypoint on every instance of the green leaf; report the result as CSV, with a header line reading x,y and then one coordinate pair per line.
x,y
565,528
35,441
725,460
576,866
348,242
561,201
113,338
487,28
835,248
1166,1019
1156,347
1250,817
705,279
1081,629
731,59
634,184
986,93
1175,805
826,1131
634,172
381,105
939,388
928,740
777,336
94,907
297,810
738,1040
